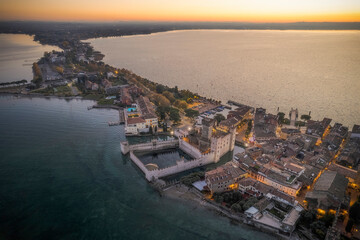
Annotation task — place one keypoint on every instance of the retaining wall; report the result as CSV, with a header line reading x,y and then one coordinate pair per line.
x,y
189,149
179,167
150,146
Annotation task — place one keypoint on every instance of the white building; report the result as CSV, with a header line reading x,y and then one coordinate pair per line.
x,y
135,125
290,188
222,142
151,121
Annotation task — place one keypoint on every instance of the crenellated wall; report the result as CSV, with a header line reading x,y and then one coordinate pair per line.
x,y
150,146
189,149
180,166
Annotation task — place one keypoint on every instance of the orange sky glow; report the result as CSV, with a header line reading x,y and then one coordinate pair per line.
x,y
183,10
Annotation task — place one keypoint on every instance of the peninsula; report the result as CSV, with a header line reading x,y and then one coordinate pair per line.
x,y
290,175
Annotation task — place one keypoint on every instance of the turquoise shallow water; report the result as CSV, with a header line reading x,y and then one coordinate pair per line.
x,y
62,176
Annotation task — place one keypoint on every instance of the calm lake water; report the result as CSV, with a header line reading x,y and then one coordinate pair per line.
x,y
315,71
17,54
62,176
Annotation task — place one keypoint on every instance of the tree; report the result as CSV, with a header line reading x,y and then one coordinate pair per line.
x,y
354,212
236,207
169,96
218,198
249,203
89,52
305,117
180,104
160,100
37,75
242,202
191,113
328,219
281,116
36,70
161,112
59,69
250,124
160,88
185,94
219,117
319,228
190,100
192,177
349,225
65,44
286,121
174,115
307,217
248,130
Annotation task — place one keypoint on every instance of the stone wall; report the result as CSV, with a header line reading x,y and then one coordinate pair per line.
x,y
189,149
150,146
138,163
179,167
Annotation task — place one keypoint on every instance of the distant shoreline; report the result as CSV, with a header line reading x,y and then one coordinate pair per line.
x,y
223,29
54,33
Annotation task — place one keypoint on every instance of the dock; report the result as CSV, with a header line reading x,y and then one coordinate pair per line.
x,y
121,116
114,123
121,119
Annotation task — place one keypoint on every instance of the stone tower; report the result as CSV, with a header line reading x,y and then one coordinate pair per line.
x,y
207,128
293,115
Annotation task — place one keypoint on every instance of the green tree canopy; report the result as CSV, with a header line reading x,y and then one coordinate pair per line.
x,y
162,111
174,115
219,117
169,96
180,104
191,113
281,117
305,117
160,88
160,100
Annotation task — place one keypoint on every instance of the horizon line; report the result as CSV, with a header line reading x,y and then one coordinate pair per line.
x,y
169,21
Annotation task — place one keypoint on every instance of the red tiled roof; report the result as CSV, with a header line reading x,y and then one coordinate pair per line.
x,y
135,120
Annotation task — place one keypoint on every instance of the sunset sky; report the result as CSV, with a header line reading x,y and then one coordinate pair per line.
x,y
183,10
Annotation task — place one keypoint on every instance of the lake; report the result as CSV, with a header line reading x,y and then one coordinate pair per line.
x,y
62,176
315,71
17,54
